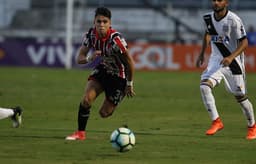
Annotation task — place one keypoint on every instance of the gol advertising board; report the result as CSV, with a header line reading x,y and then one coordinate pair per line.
x,y
147,56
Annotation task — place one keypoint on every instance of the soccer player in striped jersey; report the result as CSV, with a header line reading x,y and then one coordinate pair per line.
x,y
14,113
112,75
226,34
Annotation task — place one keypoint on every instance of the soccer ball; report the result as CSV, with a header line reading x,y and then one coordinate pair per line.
x,y
122,139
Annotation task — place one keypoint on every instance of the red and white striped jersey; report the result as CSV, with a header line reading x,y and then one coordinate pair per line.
x,y
112,47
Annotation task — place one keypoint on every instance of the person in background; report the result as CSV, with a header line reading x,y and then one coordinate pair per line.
x,y
226,34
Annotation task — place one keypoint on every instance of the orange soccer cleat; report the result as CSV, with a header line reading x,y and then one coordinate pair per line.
x,y
216,126
251,132
78,135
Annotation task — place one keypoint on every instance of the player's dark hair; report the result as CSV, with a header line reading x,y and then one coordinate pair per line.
x,y
103,11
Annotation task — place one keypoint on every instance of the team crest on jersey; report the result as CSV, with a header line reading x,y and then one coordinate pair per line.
x,y
225,28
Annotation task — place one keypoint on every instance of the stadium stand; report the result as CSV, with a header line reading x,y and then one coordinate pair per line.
x,y
8,10
152,20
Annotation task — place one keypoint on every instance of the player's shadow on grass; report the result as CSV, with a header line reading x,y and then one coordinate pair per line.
x,y
65,132
149,133
32,136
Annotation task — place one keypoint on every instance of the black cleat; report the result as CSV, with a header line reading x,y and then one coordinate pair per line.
x,y
17,117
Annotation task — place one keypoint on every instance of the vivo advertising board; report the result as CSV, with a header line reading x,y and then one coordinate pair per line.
x,y
147,56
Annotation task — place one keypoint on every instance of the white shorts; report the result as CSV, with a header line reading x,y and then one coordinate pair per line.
x,y
215,72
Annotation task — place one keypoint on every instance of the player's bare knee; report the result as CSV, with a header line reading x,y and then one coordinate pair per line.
x,y
241,98
85,103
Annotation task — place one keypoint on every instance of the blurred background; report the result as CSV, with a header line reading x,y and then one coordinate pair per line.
x,y
162,34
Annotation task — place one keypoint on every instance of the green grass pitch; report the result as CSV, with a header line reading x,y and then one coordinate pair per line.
x,y
167,117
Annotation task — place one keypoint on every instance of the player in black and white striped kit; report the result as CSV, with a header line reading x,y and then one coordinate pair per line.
x,y
226,34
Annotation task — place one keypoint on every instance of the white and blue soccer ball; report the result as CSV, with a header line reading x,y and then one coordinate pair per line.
x,y
122,139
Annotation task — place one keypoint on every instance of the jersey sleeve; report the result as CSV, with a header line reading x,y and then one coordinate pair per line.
x,y
239,29
118,43
87,39
205,28
204,23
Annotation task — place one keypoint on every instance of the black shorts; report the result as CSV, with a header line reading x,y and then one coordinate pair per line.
x,y
113,86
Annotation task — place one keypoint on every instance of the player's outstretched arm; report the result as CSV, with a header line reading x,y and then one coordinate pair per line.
x,y
206,41
82,56
130,73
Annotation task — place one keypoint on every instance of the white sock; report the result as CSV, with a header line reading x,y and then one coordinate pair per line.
x,y
5,112
248,112
209,101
